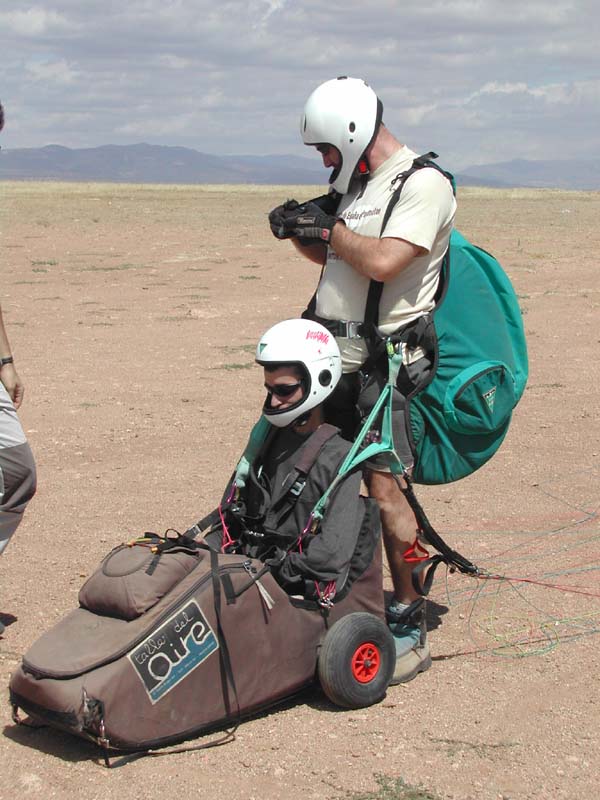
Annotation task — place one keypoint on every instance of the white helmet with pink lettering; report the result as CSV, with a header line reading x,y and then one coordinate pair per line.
x,y
310,348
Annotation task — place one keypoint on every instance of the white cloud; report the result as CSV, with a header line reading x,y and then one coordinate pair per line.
x,y
55,72
577,93
272,7
171,61
416,114
35,22
501,88
552,94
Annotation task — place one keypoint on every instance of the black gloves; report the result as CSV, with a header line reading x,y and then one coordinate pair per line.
x,y
310,222
278,216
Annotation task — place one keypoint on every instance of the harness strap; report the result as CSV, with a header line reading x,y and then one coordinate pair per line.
x,y
414,334
445,553
206,522
291,490
224,657
296,480
341,328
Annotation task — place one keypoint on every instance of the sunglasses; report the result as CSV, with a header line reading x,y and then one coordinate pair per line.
x,y
283,389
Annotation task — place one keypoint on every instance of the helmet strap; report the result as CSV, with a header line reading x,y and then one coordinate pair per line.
x,y
363,170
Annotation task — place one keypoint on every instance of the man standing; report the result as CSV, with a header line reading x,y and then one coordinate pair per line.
x,y
343,119
17,467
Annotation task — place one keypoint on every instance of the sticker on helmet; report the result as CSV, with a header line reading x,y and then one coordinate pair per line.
x,y
319,336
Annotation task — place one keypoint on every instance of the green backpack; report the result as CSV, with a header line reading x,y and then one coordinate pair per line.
x,y
459,419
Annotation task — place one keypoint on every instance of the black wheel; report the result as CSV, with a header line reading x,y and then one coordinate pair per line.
x,y
357,660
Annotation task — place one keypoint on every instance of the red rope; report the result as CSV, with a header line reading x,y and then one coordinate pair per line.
x,y
547,585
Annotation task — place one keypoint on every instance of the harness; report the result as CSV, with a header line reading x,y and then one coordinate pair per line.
x,y
247,502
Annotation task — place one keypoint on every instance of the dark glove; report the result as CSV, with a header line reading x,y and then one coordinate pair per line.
x,y
278,216
310,223
327,202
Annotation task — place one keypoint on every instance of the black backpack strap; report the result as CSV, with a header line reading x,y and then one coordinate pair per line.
x,y
313,447
376,287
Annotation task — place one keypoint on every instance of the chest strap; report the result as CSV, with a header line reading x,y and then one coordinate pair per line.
x,y
341,328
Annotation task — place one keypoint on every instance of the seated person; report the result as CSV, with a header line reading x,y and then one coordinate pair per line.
x,y
270,517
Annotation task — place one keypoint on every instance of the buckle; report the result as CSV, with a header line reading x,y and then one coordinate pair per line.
x,y
354,330
297,487
346,329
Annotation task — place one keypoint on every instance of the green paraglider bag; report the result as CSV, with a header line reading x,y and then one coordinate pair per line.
x,y
475,339
460,418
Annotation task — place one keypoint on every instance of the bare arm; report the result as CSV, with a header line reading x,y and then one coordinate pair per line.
x,y
315,252
8,374
377,259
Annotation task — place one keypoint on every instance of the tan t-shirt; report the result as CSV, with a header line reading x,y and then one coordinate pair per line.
x,y
424,216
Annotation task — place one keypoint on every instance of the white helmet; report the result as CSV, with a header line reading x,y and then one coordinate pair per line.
x,y
310,347
346,113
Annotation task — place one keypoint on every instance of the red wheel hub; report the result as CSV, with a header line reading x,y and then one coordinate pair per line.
x,y
366,662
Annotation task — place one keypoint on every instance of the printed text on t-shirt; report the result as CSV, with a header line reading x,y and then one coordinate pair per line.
x,y
358,215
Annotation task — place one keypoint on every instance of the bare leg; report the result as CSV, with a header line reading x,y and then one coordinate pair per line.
x,y
399,530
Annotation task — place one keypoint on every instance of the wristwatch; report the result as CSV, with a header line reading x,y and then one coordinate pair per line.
x,y
7,360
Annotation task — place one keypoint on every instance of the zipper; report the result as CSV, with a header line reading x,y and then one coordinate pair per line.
x,y
245,566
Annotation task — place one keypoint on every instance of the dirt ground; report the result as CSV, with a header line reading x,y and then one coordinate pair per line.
x,y
133,314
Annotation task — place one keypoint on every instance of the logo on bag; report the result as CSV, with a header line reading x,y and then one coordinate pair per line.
x,y
490,398
172,651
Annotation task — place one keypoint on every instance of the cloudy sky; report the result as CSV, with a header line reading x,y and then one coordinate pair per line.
x,y
479,81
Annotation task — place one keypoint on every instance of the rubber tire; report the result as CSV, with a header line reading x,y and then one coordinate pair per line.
x,y
339,647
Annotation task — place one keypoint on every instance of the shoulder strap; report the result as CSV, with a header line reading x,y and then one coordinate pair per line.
x,y
376,287
296,480
314,445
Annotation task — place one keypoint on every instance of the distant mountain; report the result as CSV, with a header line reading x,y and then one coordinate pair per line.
x,y
146,163
582,174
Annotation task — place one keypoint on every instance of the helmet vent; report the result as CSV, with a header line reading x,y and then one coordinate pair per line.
x,y
325,377
352,127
